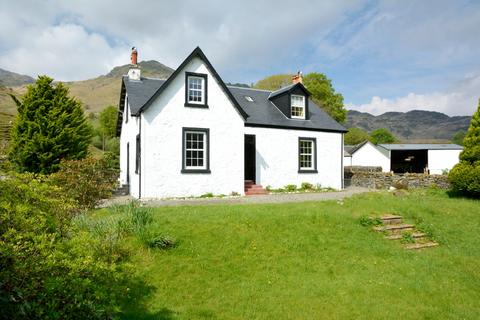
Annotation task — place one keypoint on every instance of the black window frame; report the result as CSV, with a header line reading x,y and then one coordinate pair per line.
x,y
314,154
137,154
205,90
206,131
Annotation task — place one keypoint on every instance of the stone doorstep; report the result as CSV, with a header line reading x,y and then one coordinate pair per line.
x,y
416,246
415,235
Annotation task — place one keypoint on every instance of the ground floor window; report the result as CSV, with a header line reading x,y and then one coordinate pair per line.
x,y
195,149
307,159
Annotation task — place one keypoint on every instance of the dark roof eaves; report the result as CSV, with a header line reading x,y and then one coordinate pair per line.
x,y
276,126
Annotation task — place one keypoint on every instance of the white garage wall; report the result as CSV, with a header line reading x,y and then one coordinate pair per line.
x,y
277,157
369,155
439,160
162,125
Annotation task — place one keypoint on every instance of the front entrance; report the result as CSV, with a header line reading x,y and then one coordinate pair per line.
x,y
250,157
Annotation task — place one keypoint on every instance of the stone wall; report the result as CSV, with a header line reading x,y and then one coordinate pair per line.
x,y
371,177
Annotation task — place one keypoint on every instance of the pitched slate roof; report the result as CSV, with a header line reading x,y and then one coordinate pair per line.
x,y
139,92
421,146
263,113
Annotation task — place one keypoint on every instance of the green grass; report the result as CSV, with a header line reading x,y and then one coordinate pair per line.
x,y
310,261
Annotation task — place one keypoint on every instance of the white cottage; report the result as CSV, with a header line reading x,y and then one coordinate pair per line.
x,y
191,134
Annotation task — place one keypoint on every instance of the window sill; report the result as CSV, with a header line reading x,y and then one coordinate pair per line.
x,y
195,171
196,105
307,171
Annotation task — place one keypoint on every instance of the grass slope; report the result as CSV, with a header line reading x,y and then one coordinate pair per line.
x,y
311,261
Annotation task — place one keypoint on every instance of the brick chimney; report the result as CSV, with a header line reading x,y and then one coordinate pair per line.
x,y
297,78
134,72
133,57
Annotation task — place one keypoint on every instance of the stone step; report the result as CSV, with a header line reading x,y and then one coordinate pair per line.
x,y
256,192
394,227
415,235
254,187
391,219
416,246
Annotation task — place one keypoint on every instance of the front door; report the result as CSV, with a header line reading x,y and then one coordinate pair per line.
x,y
250,157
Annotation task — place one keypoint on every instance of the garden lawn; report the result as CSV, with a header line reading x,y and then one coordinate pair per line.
x,y
310,261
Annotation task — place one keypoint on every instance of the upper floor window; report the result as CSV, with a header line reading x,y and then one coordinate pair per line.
x,y
195,90
298,107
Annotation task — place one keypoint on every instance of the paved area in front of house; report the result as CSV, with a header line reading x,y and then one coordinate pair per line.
x,y
269,198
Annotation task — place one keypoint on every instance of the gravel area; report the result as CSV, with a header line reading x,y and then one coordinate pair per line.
x,y
269,198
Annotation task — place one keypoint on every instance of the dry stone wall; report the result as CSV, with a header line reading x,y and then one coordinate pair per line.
x,y
372,177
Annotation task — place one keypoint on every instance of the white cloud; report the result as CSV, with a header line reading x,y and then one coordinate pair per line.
x,y
461,99
65,52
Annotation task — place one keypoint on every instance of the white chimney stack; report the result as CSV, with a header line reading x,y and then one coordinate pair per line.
x,y
134,72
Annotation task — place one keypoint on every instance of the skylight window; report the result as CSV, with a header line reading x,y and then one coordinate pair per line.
x,y
249,99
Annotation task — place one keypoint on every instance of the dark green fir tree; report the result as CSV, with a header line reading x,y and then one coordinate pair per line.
x,y
50,126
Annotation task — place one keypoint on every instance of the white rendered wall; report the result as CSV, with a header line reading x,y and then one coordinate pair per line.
x,y
161,140
277,157
439,160
128,135
368,155
347,161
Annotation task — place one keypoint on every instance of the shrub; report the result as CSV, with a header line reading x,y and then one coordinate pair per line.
x,y
160,242
307,186
465,179
367,221
290,187
86,181
207,195
465,176
50,270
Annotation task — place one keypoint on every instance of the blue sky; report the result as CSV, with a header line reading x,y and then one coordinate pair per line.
x,y
381,55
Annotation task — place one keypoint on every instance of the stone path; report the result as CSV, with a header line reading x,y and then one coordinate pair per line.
x,y
269,198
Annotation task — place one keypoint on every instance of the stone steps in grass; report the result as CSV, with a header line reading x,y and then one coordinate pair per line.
x,y
395,229
415,235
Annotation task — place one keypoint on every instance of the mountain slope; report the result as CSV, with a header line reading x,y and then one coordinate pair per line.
x,y
12,79
415,125
97,93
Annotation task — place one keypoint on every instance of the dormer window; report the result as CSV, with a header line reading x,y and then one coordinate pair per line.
x,y
195,90
297,106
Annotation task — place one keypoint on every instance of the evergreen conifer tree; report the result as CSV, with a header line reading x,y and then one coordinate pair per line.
x,y
50,126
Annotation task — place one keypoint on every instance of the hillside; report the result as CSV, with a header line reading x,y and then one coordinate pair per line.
x,y
95,94
413,126
12,79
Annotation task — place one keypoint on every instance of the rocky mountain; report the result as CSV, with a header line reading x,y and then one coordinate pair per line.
x,y
12,79
412,126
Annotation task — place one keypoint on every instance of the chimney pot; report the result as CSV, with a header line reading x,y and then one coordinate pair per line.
x,y
297,78
134,55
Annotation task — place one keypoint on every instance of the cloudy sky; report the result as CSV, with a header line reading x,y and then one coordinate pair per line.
x,y
381,55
